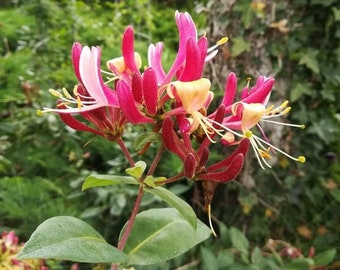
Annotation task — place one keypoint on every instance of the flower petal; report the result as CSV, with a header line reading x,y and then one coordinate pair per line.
x,y
230,90
228,173
128,105
171,140
155,60
128,49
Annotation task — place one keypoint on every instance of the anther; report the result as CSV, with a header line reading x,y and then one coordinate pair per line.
x,y
55,93
79,105
222,41
39,112
284,104
287,110
66,93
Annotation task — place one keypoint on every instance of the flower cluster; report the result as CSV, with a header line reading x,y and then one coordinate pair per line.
x,y
9,248
174,103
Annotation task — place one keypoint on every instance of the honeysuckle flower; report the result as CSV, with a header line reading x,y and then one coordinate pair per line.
x,y
108,122
86,63
252,115
130,61
192,53
196,96
195,161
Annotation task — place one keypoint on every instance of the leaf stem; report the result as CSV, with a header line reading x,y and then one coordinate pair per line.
x,y
125,151
172,179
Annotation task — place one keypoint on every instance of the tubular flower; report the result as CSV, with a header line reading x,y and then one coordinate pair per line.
x,y
86,63
192,53
195,97
251,115
194,162
108,122
130,61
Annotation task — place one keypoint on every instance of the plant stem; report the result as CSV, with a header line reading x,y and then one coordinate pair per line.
x,y
172,179
125,151
133,215
130,223
155,161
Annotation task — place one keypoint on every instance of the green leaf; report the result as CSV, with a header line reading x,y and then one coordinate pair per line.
x,y
209,259
107,180
239,45
176,202
239,240
335,193
299,90
299,263
69,238
309,59
146,137
325,257
152,181
138,170
162,234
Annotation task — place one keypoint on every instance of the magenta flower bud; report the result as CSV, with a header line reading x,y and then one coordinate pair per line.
x,y
189,166
150,90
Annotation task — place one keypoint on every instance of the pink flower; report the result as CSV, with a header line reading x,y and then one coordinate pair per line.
x,y
192,53
86,63
108,122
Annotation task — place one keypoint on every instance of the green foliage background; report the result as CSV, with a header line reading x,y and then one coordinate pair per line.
x,y
43,163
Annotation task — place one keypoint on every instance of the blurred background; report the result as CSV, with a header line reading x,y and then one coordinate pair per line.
x,y
43,163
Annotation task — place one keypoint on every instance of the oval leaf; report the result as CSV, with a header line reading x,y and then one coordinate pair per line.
x,y
239,240
176,202
69,238
325,257
107,180
162,234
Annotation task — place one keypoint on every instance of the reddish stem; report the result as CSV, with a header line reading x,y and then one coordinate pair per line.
x,y
125,151
130,223
156,160
172,179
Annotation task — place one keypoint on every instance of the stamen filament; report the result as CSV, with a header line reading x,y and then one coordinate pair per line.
x,y
301,159
210,223
283,124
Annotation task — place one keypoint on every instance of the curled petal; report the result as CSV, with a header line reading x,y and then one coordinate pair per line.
x,y
250,114
128,49
89,70
261,93
242,148
155,60
74,123
193,95
171,140
76,51
226,174
187,29
192,63
230,90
